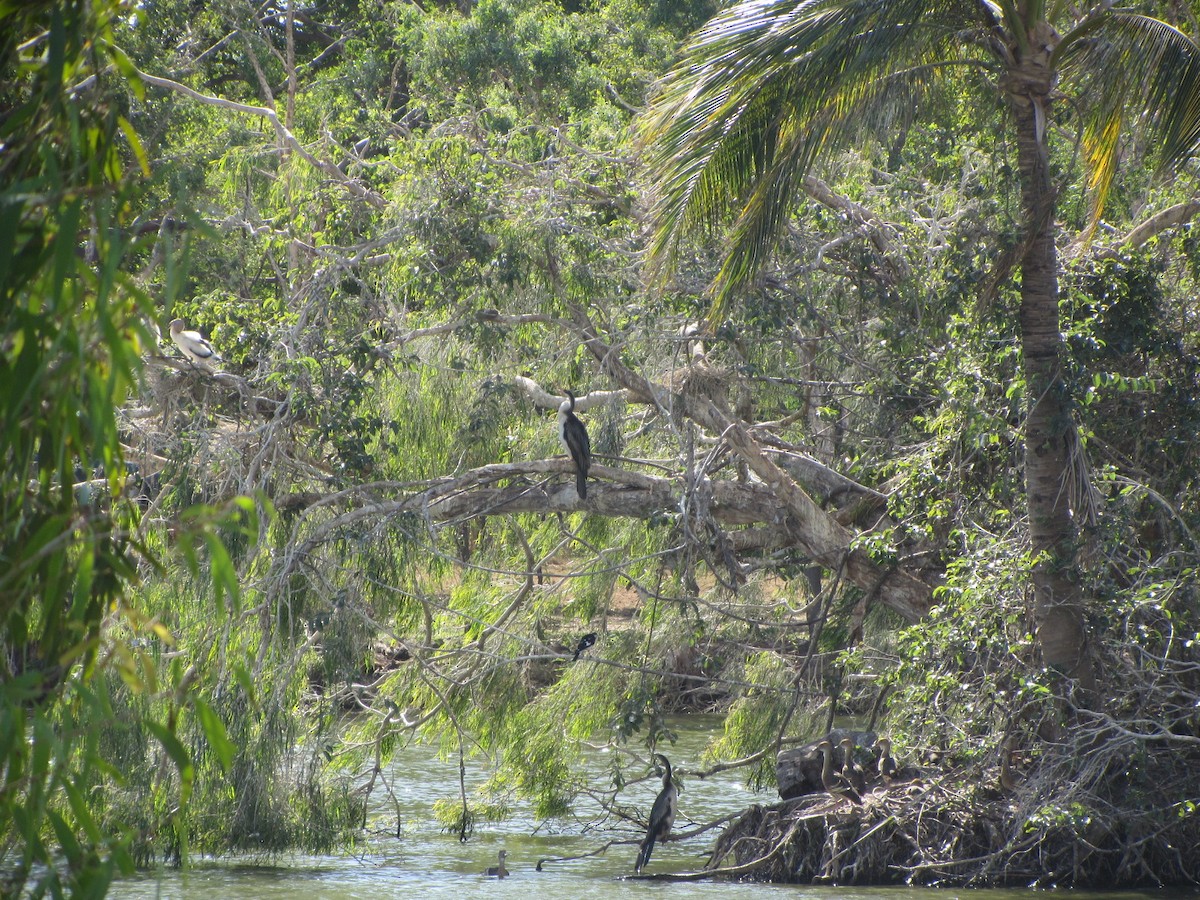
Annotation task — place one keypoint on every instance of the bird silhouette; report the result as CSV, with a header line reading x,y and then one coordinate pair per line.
x,y
584,642
662,815
574,438
499,871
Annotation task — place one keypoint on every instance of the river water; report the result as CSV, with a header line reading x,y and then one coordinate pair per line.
x,y
425,862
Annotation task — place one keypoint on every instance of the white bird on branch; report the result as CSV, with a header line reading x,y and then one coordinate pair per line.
x,y
192,343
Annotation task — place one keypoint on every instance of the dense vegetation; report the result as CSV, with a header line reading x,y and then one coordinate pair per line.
x,y
229,590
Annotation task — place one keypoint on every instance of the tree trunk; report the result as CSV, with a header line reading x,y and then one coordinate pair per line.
x,y
1058,601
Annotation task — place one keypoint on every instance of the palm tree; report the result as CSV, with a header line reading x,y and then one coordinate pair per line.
x,y
768,86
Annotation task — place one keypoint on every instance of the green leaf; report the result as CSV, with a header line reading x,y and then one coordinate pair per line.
x,y
178,754
214,730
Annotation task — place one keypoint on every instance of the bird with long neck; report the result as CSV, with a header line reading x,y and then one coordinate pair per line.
x,y
1010,781
662,815
851,770
192,343
574,438
886,765
498,871
835,782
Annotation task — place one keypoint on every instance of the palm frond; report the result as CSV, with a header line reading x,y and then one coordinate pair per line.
x,y
764,88
1127,64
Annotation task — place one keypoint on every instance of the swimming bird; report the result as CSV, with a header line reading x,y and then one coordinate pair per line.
x,y
584,642
885,765
851,770
499,871
574,438
834,782
192,343
662,815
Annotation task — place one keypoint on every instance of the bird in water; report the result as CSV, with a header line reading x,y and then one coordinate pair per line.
x,y
584,642
851,770
499,871
574,438
662,815
886,765
835,782
192,343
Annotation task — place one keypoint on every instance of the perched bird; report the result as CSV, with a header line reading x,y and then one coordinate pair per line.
x,y
662,815
574,438
885,765
1010,781
192,343
584,642
835,782
851,770
499,871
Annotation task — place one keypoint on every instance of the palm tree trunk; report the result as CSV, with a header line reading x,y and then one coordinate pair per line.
x,y
1058,600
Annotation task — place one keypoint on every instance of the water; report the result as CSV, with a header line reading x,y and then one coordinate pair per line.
x,y
425,862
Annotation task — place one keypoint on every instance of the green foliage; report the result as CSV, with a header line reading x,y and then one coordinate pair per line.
x,y
759,717
71,331
373,350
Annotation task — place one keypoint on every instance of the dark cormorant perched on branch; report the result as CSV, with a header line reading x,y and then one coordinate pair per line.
x,y
574,438
662,815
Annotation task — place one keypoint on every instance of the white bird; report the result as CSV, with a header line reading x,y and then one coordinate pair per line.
x,y
193,344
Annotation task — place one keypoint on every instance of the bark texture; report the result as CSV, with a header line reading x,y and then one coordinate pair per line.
x,y
1058,607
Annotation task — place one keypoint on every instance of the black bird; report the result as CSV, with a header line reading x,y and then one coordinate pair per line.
x,y
499,871
584,642
575,441
662,815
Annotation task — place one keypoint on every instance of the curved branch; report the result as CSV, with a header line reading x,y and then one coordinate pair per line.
x,y
285,136
814,531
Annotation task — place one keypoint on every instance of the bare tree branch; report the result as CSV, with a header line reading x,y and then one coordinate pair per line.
x,y
285,136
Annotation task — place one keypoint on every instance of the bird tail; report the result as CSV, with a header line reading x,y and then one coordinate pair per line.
x,y
581,484
645,851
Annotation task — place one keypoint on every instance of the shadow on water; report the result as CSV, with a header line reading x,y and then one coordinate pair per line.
x,y
425,862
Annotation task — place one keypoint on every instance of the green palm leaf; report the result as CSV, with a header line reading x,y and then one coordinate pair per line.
x,y
1125,64
762,91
